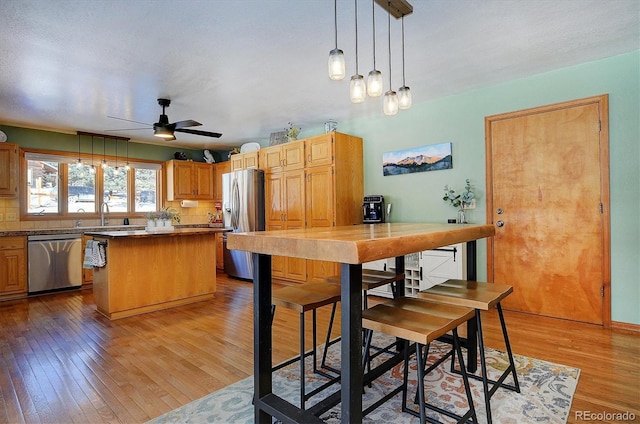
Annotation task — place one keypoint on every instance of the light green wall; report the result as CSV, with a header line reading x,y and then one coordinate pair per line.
x,y
460,119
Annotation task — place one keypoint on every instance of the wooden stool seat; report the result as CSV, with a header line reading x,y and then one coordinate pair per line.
x,y
419,321
472,294
481,297
302,298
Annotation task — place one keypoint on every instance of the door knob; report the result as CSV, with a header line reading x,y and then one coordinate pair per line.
x,y
500,223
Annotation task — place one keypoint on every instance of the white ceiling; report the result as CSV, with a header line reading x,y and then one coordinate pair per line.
x,y
246,68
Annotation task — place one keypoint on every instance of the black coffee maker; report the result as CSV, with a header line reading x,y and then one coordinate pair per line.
x,y
373,209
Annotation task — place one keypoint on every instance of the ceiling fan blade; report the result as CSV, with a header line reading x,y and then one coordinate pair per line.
x,y
187,123
198,132
127,129
128,120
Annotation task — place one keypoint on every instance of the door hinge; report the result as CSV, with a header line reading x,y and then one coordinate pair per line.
x,y
599,125
602,291
601,208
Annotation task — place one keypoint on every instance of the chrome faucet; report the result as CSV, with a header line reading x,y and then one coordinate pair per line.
x,y
104,221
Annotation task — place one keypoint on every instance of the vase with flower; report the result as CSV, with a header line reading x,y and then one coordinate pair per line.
x,y
459,201
292,132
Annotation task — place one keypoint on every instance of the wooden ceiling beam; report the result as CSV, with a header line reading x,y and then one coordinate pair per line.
x,y
398,8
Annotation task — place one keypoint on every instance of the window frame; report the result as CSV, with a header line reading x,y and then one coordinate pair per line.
x,y
66,159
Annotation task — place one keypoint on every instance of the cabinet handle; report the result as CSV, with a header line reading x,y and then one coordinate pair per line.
x,y
309,158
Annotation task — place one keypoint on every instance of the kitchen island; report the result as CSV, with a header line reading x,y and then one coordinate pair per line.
x,y
148,271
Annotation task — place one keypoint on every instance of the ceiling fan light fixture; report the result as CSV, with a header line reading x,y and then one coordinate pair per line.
x,y
163,133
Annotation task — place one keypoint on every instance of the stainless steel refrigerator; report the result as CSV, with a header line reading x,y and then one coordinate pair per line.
x,y
243,210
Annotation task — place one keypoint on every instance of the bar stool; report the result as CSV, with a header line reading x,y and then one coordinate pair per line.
x,y
419,321
302,298
480,297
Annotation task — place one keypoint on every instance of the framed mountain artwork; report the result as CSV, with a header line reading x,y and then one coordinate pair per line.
x,y
419,159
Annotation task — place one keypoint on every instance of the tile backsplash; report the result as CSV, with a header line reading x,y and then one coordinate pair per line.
x,y
10,217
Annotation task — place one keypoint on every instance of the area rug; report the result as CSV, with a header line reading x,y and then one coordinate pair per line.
x,y
546,393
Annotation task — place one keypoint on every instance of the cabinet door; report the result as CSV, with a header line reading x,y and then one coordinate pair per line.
x,y
237,162
319,197
220,251
293,155
439,265
203,181
319,150
182,186
87,273
8,170
13,271
218,170
250,160
271,159
294,197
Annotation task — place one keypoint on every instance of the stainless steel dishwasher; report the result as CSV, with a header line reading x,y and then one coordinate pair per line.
x,y
55,262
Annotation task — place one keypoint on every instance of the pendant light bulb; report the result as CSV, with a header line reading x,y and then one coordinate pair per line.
x,y
374,83
390,104
374,80
357,89
404,93
337,68
79,162
92,170
404,97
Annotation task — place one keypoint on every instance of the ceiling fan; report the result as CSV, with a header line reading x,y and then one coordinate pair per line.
x,y
165,130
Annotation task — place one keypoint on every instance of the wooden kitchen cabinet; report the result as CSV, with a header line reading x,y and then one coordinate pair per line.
x,y
247,160
330,193
219,169
283,157
13,266
220,251
189,180
285,209
9,170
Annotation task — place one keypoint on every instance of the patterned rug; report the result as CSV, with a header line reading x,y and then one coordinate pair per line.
x,y
546,392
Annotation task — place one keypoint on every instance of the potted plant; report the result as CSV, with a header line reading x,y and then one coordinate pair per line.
x,y
459,200
152,219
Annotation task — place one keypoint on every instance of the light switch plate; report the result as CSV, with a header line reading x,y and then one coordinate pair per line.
x,y
471,205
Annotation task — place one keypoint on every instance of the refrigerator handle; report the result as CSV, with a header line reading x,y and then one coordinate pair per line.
x,y
235,204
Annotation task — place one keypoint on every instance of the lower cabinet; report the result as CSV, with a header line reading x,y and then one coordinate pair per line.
x,y
425,269
13,266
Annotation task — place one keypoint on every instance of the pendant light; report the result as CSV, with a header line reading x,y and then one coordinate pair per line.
x,y
116,171
79,162
374,80
357,87
390,104
126,166
93,168
404,93
104,154
336,56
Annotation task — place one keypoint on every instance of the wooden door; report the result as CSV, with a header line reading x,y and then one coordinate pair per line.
x,y
8,170
274,214
203,174
319,150
548,195
182,181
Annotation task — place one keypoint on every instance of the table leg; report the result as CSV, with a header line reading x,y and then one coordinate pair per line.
x,y
351,343
262,342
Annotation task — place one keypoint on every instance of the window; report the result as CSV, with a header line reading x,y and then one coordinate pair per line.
x,y
57,185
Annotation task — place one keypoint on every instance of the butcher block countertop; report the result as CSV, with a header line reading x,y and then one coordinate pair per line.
x,y
145,234
357,244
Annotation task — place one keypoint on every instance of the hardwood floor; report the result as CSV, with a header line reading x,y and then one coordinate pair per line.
x,y
61,362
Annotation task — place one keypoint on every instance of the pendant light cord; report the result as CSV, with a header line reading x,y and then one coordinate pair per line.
x,y
389,33
356,3
403,83
373,14
335,20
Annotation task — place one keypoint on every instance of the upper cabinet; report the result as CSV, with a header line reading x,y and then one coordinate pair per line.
x,y
189,180
244,160
219,169
283,157
8,170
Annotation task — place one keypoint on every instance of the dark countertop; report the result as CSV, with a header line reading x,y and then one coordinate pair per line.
x,y
86,230
146,234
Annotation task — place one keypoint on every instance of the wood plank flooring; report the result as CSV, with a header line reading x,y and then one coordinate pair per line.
x,y
61,362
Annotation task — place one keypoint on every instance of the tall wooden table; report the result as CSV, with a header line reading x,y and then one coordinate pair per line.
x,y
351,246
